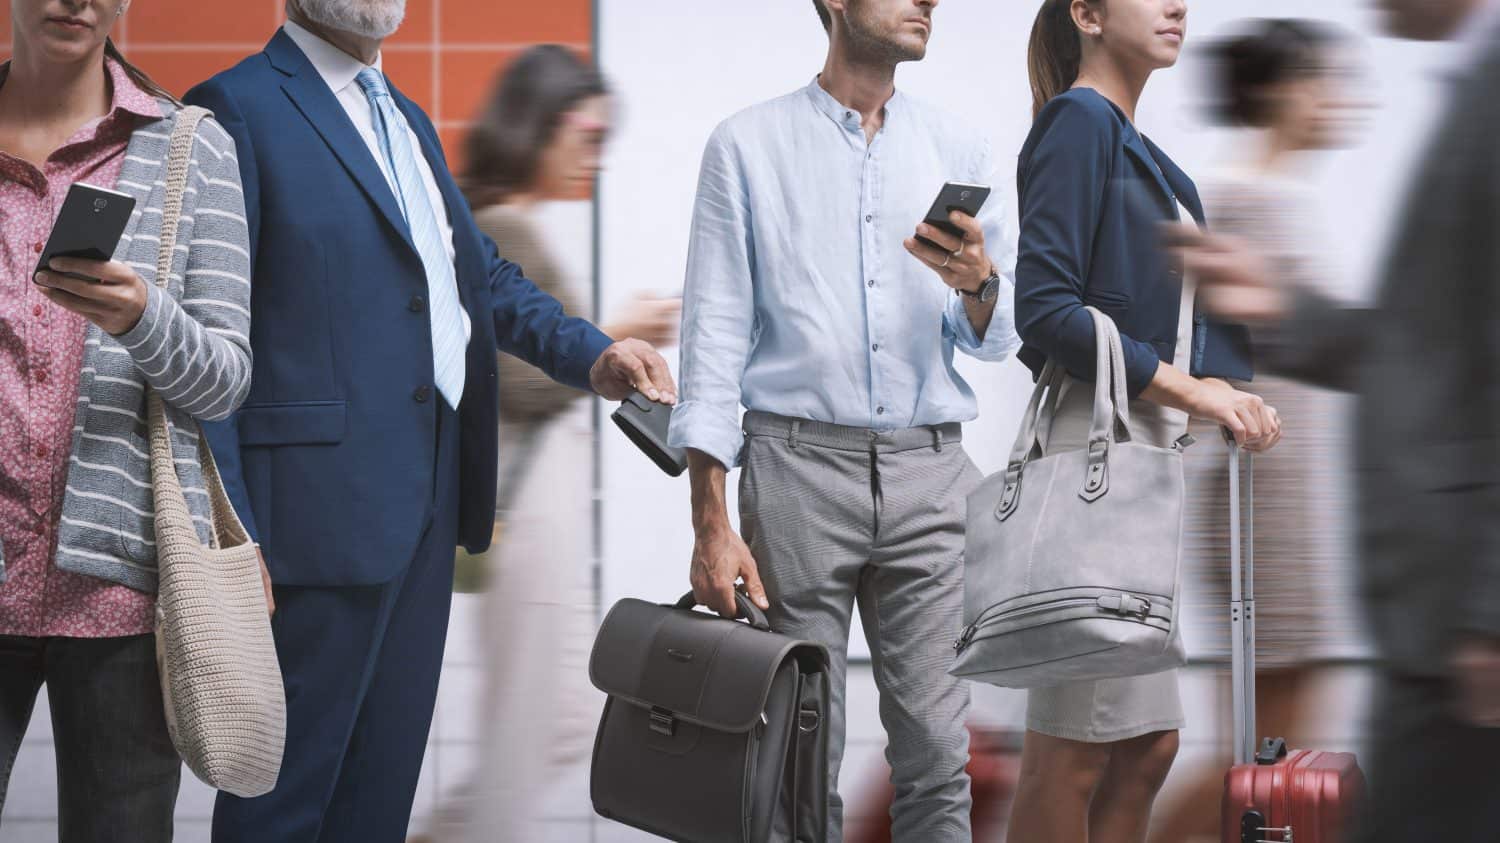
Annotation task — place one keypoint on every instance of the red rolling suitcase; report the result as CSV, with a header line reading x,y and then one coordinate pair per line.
x,y
1272,795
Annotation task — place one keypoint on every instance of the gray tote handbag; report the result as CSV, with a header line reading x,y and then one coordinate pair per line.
x,y
1071,559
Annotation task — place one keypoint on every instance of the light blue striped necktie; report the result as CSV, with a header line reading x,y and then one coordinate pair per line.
x,y
444,308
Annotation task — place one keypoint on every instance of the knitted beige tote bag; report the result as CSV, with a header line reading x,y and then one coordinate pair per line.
x,y
226,707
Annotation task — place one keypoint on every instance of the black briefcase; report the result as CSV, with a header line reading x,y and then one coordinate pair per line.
x,y
715,731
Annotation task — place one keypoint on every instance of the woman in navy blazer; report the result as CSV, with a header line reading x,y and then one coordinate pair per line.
x,y
1095,201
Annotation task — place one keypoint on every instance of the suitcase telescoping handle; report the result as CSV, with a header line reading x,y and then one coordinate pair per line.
x,y
1242,604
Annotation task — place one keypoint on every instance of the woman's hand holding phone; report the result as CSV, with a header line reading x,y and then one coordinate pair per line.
x,y
114,302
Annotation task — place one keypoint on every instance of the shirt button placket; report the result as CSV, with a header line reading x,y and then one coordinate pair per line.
x,y
870,258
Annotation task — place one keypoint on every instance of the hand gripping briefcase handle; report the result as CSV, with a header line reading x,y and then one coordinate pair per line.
x,y
748,611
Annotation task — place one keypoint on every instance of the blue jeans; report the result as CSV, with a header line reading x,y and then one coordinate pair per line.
x,y
117,774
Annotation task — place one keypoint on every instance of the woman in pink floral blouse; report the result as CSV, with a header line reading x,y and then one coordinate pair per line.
x,y
77,609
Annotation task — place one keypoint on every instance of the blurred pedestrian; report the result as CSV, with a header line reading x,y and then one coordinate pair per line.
x,y
1424,365
77,538
1093,194
540,139
1285,85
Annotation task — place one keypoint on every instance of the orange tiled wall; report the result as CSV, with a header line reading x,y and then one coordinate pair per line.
x,y
445,56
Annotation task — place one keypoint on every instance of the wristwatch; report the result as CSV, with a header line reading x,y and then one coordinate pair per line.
x,y
987,291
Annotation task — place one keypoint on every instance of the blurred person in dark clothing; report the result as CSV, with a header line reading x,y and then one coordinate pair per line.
x,y
540,139
1424,362
1284,85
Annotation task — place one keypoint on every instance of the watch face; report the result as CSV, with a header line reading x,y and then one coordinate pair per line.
x,y
990,290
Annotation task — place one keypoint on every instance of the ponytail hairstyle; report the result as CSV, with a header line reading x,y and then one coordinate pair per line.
x,y
1055,54
138,76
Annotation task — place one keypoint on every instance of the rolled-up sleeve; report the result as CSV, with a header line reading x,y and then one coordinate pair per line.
x,y
718,308
1000,339
1061,190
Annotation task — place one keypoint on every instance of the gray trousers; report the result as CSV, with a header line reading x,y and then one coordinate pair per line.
x,y
835,514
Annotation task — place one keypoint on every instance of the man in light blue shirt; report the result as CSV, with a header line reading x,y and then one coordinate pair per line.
x,y
810,300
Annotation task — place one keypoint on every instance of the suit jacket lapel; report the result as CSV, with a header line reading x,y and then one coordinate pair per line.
x,y
310,94
1179,187
1137,149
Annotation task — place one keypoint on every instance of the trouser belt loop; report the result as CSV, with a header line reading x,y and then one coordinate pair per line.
x,y
796,429
937,439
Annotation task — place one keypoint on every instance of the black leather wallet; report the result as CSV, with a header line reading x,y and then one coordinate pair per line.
x,y
645,423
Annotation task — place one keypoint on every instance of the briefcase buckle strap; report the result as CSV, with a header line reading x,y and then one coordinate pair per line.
x,y
663,722
809,719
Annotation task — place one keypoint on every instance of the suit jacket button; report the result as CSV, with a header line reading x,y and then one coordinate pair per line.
x,y
421,395
417,304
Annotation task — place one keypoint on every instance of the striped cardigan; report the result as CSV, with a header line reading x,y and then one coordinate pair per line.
x,y
192,345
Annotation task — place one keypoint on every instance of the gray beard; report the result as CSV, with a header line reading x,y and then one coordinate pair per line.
x,y
367,18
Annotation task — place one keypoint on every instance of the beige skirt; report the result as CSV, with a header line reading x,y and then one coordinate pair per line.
x,y
1107,710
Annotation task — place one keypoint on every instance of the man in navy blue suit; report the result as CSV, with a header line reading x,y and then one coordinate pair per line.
x,y
367,449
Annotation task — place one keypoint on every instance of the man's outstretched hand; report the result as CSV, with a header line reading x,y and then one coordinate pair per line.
x,y
633,366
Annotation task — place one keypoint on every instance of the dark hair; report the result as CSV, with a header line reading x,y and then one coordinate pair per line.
x,y
1055,54
1270,52
504,149
823,15
138,76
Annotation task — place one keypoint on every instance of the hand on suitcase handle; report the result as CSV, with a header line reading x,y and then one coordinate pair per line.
x,y
1248,420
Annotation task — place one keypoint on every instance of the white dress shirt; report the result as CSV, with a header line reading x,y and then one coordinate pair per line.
x,y
339,70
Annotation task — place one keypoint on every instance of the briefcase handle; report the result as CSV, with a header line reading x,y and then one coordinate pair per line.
x,y
748,611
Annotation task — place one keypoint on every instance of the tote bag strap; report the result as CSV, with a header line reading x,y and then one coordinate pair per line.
x,y
172,513
1110,421
1111,414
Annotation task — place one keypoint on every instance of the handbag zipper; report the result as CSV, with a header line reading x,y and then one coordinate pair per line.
x,y
967,637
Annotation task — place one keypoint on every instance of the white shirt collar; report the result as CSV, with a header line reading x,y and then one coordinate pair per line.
x,y
337,67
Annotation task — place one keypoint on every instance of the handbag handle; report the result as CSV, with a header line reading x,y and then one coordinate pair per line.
x,y
748,611
1110,421
1111,404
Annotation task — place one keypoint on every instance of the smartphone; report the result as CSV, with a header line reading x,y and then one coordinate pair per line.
x,y
955,196
89,226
